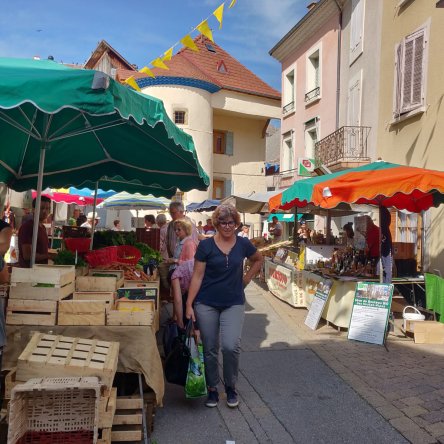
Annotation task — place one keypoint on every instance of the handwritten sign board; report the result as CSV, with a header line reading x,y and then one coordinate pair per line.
x,y
370,313
317,306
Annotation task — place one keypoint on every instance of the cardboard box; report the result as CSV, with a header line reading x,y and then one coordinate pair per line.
x,y
429,332
403,250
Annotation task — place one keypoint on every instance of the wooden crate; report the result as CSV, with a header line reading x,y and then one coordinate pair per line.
x,y
139,293
96,283
52,355
10,382
48,282
107,296
82,313
31,312
131,313
144,284
107,408
119,274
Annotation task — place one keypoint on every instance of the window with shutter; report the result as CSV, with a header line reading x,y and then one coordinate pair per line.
x,y
356,29
229,149
354,101
410,70
218,189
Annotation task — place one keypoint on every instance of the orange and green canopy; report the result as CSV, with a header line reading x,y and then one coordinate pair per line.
x,y
378,183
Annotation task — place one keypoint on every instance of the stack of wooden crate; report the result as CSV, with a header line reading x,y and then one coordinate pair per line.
x,y
35,293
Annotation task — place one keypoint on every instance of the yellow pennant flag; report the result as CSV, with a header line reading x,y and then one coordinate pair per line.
x,y
131,82
219,14
189,43
204,29
233,2
159,64
147,71
167,55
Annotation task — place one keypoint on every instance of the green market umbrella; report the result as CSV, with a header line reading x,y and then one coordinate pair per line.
x,y
126,201
61,126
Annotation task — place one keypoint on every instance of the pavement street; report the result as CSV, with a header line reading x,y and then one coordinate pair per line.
x,y
300,386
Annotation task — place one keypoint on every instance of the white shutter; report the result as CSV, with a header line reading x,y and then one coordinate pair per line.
x,y
413,71
354,101
356,29
398,81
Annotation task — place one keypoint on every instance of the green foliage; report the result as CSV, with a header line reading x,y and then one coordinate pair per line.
x,y
66,257
111,238
149,255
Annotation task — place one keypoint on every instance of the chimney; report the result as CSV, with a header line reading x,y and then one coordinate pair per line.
x,y
311,5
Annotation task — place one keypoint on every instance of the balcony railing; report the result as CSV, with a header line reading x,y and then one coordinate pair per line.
x,y
288,107
347,144
313,94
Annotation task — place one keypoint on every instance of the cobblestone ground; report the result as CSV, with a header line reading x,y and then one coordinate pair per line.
x,y
404,382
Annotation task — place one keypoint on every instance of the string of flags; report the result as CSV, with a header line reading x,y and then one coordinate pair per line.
x,y
187,41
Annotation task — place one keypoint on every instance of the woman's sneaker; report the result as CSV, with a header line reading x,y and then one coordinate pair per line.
x,y
213,398
232,400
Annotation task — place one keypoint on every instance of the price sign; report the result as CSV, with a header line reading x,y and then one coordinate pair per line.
x,y
323,290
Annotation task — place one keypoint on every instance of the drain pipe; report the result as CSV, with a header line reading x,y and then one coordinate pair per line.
x,y
338,68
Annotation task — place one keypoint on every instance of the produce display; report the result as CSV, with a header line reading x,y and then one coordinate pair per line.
x,y
66,257
131,273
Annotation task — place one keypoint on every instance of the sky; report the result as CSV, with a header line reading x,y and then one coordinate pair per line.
x,y
143,30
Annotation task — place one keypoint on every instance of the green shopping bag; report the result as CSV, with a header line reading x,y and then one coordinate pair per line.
x,y
196,385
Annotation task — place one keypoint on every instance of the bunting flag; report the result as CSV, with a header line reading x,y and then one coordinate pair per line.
x,y
219,14
233,2
204,29
189,43
159,64
167,55
147,71
131,82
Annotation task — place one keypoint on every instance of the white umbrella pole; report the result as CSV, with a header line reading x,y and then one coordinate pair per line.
x,y
94,215
37,205
54,208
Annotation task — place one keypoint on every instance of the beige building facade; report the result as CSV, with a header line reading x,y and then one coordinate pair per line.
x,y
411,109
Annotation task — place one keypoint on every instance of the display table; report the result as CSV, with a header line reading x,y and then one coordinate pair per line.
x,y
138,351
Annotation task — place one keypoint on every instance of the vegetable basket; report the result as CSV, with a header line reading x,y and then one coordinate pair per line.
x,y
101,257
127,254
79,244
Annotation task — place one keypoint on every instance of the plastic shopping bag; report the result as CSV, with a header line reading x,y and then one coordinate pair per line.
x,y
196,385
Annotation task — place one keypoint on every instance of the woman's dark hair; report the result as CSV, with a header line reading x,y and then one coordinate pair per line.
x,y
348,228
150,218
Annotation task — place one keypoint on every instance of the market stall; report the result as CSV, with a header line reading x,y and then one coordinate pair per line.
x,y
380,185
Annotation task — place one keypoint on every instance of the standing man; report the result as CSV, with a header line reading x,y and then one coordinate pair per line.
x,y
25,237
209,229
275,229
168,240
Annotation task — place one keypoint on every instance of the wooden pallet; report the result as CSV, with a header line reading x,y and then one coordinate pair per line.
x,y
107,296
81,313
127,424
52,356
31,312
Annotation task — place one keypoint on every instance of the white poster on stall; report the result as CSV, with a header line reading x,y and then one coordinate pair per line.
x,y
321,296
279,280
370,313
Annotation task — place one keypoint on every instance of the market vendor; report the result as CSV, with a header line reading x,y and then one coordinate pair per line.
x,y
25,236
275,229
89,220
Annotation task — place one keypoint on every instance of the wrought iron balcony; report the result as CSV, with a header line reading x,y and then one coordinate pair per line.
x,y
313,94
288,107
346,145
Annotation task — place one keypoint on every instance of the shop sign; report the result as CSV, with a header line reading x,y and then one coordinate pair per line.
x,y
323,289
279,280
370,313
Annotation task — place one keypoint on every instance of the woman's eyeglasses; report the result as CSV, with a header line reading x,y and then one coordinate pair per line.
x,y
229,223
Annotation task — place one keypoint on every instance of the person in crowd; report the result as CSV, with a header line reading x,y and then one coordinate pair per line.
x,y
116,225
168,240
209,229
81,220
349,234
304,232
89,220
161,220
25,236
386,245
275,229
149,221
372,239
180,283
199,227
184,252
216,299
244,232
